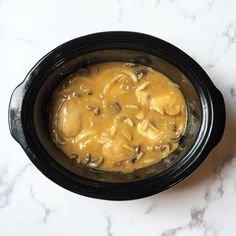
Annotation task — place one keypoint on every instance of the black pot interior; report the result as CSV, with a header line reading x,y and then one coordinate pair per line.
x,y
66,67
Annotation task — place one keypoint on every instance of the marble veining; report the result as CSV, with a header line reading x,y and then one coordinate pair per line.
x,y
229,34
197,221
232,92
202,204
47,211
211,4
109,225
7,189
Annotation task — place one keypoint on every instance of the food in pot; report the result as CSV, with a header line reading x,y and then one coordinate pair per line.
x,y
117,116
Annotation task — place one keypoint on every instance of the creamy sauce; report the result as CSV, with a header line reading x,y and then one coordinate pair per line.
x,y
117,116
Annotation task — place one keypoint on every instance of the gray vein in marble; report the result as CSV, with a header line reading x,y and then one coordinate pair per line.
x,y
232,92
211,3
211,63
197,217
3,172
215,189
151,208
189,15
171,232
109,225
213,194
47,211
230,33
197,221
5,195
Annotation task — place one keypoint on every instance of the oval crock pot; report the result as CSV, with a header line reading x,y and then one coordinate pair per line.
x,y
28,114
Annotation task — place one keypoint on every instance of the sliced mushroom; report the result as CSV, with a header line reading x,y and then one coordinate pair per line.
x,y
141,73
162,148
59,137
140,154
95,163
174,128
114,107
87,158
95,110
131,64
78,161
132,160
177,138
137,149
73,156
136,158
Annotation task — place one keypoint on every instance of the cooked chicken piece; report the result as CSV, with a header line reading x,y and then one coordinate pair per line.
x,y
166,104
69,118
115,149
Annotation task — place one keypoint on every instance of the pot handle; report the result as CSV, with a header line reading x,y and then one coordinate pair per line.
x,y
219,114
15,115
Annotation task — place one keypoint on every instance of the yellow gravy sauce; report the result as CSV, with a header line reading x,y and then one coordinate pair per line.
x,y
117,116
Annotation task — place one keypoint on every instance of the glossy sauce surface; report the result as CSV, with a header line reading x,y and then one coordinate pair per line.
x,y
117,116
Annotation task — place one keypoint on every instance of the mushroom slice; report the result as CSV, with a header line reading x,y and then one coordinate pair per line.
x,y
166,104
86,159
59,137
95,163
114,107
162,147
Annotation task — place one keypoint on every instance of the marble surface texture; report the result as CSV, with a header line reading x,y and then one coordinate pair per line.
x,y
203,204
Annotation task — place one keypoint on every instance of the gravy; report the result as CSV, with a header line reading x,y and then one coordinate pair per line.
x,y
117,116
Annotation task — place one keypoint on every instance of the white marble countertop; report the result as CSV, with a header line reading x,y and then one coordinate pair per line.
x,y
203,204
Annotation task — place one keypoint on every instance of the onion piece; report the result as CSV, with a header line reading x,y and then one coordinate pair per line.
x,y
142,95
117,77
84,133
